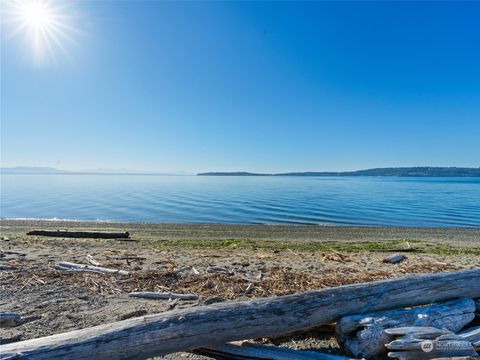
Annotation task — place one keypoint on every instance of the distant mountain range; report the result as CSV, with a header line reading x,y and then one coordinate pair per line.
x,y
31,170
423,171
50,170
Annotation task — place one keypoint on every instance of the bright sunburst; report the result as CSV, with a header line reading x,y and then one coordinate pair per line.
x,y
44,25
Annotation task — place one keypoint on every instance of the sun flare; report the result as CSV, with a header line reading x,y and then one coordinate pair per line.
x,y
36,15
44,25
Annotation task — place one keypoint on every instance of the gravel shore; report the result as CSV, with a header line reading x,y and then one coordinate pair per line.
x,y
278,260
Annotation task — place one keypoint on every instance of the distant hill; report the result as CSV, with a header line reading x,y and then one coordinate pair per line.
x,y
31,170
423,171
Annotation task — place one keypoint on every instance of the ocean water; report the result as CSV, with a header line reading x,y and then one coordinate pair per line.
x,y
424,202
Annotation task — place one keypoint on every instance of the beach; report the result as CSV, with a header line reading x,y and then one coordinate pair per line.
x,y
275,259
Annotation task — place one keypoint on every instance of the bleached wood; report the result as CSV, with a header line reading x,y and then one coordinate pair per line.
x,y
417,332
213,325
365,336
249,351
162,296
92,261
407,349
472,335
68,266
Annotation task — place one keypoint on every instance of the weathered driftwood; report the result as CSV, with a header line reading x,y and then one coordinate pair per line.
x,y
213,325
92,261
472,335
162,296
81,234
68,266
417,349
365,336
418,332
8,320
395,259
249,351
250,288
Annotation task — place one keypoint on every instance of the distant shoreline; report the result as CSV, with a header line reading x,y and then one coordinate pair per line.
x,y
416,171
386,172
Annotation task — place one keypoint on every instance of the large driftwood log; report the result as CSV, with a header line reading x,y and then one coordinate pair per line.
x,y
365,336
249,351
81,234
213,325
68,266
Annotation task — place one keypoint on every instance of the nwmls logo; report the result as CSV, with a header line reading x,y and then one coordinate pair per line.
x,y
428,345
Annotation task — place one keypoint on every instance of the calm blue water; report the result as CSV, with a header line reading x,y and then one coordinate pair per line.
x,y
442,202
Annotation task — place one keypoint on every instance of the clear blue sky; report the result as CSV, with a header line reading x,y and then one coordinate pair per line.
x,y
149,85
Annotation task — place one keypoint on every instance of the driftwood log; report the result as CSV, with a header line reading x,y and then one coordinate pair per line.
x,y
81,234
68,266
418,349
249,351
472,335
418,332
213,325
420,343
365,336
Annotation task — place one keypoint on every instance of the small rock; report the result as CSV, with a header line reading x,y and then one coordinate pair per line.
x,y
395,259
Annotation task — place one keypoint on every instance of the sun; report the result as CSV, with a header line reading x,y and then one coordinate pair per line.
x,y
36,15
43,24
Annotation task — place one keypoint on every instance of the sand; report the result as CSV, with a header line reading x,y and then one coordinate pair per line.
x,y
58,301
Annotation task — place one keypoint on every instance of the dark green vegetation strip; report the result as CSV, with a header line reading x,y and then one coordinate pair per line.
x,y
360,246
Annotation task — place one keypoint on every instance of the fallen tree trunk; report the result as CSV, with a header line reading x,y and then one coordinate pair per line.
x,y
249,351
81,234
213,325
